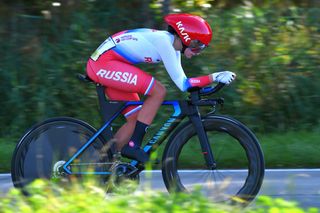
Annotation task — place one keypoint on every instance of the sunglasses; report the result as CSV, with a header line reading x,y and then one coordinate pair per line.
x,y
196,46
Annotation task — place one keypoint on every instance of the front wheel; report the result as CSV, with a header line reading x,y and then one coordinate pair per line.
x,y
44,149
240,164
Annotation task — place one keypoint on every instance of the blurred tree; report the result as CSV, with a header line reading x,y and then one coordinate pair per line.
x,y
273,46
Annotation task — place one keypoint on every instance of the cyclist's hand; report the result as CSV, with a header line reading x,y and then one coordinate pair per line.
x,y
225,77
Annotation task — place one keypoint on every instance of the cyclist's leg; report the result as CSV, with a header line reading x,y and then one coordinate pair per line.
x,y
146,114
127,78
144,119
123,135
152,103
148,110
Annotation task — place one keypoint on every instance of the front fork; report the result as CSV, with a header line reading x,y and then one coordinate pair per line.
x,y
204,142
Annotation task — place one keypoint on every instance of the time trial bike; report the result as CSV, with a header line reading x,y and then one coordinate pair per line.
x,y
214,153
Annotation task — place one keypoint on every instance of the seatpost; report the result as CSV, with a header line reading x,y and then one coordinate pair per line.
x,y
107,133
102,102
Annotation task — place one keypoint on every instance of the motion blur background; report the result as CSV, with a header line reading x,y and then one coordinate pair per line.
x,y
273,46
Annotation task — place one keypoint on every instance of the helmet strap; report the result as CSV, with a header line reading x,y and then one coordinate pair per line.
x,y
184,47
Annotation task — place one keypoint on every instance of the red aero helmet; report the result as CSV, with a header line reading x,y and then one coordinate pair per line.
x,y
190,27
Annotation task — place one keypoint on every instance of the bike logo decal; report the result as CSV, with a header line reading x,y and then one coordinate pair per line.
x,y
124,77
194,81
181,29
162,131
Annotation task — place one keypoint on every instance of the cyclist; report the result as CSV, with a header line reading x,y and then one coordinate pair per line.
x,y
112,65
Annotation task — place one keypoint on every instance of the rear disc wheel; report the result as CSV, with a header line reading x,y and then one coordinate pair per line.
x,y
43,150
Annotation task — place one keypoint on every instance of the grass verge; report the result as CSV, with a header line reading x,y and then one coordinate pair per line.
x,y
6,151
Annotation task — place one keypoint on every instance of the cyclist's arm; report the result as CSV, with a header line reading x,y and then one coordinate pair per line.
x,y
172,62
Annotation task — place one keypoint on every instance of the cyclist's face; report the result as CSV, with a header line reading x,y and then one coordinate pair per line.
x,y
177,43
189,53
195,48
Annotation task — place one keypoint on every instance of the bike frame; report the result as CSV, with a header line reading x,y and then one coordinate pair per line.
x,y
110,110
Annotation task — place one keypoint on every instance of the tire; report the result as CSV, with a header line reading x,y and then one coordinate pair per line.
x,y
240,162
51,143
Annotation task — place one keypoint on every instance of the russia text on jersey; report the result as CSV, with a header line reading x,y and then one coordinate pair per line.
x,y
125,77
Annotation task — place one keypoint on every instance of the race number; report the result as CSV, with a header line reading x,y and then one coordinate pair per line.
x,y
105,46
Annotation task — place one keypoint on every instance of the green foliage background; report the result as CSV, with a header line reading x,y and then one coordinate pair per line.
x,y
273,46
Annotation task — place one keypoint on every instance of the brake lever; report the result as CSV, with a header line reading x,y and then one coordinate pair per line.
x,y
219,101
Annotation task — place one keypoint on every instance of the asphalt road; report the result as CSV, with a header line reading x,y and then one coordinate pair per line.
x,y
299,185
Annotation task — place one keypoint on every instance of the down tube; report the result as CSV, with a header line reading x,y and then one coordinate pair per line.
x,y
165,130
